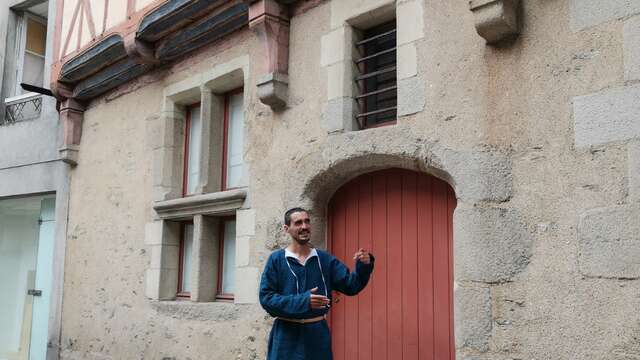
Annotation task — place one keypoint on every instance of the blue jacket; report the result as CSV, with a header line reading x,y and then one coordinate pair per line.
x,y
281,297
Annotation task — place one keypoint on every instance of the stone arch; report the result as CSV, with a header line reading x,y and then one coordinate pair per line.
x,y
491,241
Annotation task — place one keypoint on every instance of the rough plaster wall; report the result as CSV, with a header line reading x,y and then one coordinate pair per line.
x,y
106,315
514,101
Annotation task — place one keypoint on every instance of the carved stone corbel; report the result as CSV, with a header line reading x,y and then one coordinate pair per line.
x,y
71,116
138,50
496,20
270,21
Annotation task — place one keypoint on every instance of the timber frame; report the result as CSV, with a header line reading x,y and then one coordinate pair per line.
x,y
161,35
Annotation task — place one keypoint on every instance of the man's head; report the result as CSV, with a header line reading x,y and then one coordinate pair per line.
x,y
298,224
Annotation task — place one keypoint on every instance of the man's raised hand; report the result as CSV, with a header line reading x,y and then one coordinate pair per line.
x,y
363,256
318,301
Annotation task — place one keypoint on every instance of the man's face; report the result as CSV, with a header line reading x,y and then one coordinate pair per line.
x,y
300,228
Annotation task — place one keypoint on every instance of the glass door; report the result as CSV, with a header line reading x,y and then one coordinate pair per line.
x,y
21,305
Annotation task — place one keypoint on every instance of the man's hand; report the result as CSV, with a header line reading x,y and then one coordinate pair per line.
x,y
318,301
363,256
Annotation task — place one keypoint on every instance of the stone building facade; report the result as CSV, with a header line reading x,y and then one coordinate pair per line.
x,y
528,110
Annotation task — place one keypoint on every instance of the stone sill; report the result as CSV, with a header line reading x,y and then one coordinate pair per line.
x,y
218,204
205,311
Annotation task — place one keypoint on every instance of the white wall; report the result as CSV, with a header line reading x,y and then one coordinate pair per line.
x,y
18,248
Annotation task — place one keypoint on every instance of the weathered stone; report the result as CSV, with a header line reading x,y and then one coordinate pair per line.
x,y
246,285
609,242
205,255
246,222
343,11
410,21
340,80
338,115
335,46
608,115
407,59
473,317
585,13
633,158
164,256
493,245
412,95
161,284
631,45
496,20
479,176
243,250
476,176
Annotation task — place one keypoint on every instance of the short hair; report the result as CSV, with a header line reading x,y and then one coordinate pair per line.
x,y
287,214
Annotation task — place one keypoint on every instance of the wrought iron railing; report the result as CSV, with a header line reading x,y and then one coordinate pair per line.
x,y
21,108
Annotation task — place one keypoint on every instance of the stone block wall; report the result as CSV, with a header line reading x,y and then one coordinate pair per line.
x,y
538,138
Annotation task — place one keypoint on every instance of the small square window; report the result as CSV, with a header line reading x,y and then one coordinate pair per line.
x,y
376,79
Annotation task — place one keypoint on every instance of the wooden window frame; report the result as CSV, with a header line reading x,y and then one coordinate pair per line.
x,y
21,47
179,293
225,139
185,159
219,295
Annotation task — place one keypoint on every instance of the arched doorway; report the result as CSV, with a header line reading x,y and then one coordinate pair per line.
x,y
405,219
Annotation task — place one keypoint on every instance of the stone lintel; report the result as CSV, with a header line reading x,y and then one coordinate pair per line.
x,y
216,204
270,21
496,20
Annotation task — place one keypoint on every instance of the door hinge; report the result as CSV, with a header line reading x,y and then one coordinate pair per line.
x,y
34,292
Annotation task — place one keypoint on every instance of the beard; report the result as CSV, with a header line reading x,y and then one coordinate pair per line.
x,y
302,240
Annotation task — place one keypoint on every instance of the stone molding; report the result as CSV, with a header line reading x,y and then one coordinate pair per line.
x,y
270,21
496,20
71,117
218,203
167,133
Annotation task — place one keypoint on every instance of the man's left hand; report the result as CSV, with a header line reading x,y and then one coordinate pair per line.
x,y
363,256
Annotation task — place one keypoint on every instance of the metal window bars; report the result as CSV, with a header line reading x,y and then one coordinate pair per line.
x,y
376,77
21,108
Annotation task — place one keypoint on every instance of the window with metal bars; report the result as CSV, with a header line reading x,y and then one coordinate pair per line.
x,y
376,78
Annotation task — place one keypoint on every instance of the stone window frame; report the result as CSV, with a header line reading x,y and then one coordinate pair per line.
x,y
337,54
209,204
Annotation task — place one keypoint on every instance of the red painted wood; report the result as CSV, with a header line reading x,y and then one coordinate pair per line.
x,y
351,241
452,202
364,298
338,308
405,219
409,266
440,271
425,269
379,248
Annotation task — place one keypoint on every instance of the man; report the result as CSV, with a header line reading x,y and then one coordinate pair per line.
x,y
296,289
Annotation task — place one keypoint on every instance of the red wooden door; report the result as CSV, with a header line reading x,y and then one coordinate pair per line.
x,y
406,312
